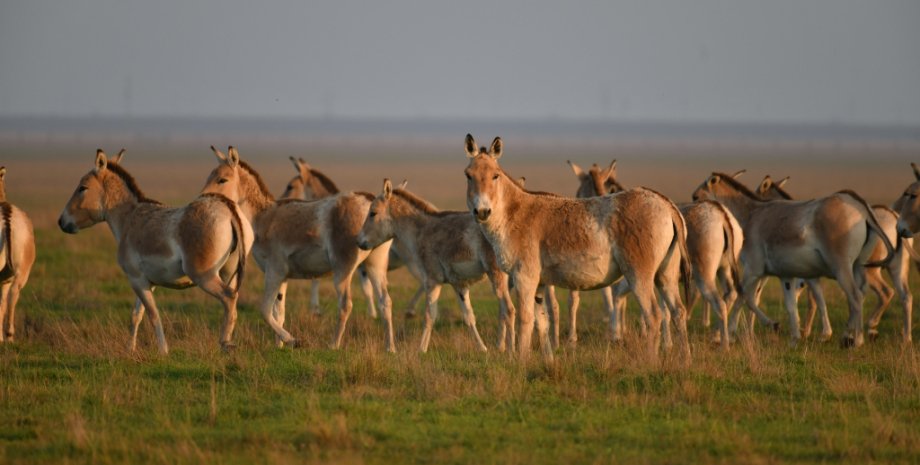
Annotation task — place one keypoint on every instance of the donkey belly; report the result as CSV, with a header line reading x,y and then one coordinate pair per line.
x,y
309,263
583,274
799,262
466,272
166,273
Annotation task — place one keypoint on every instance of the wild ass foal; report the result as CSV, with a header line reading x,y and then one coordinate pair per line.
x,y
444,247
17,254
311,184
827,237
542,239
301,240
203,243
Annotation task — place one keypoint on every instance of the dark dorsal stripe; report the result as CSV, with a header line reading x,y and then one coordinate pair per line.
x,y
613,186
734,183
325,181
7,211
423,205
259,182
130,183
782,192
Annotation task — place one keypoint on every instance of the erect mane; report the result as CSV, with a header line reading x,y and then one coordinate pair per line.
x,y
259,182
518,186
615,186
130,183
325,181
737,186
421,204
782,192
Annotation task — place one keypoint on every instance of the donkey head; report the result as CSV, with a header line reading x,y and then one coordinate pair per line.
x,y
908,207
298,187
484,178
225,178
596,181
773,190
87,205
378,226
2,183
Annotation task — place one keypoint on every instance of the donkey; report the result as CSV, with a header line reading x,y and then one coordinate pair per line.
x,y
300,240
898,268
311,184
827,237
445,247
17,252
204,243
541,239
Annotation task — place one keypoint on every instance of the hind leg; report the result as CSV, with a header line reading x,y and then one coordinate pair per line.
x,y
574,302
542,321
852,281
525,288
790,287
670,294
137,315
413,302
469,318
280,311
376,275
618,309
342,284
273,297
817,292
367,288
549,295
431,314
314,297
227,297
883,292
6,334
506,311
144,293
644,291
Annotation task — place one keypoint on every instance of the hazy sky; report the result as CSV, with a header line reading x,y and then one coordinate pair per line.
x,y
704,60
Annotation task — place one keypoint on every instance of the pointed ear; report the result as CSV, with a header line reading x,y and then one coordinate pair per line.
x,y
521,181
220,155
612,170
403,184
101,161
576,169
739,173
117,158
2,173
302,167
765,185
496,149
916,170
713,180
472,150
233,157
387,189
782,182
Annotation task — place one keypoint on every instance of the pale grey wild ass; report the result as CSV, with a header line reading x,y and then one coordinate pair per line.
x,y
542,239
828,237
312,184
204,243
443,247
297,239
17,253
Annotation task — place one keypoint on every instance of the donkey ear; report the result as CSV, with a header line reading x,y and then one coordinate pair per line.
x,y
101,161
916,170
2,173
403,184
117,158
387,188
472,150
220,155
496,149
612,170
739,173
713,180
233,157
521,181
782,182
576,169
766,184
302,167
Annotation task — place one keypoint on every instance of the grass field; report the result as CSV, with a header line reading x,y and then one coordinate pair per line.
x,y
70,392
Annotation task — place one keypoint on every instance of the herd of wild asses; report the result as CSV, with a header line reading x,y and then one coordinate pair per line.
x,y
720,248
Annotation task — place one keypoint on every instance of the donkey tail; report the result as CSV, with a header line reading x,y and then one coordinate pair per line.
x,y
728,230
238,236
873,224
680,236
7,211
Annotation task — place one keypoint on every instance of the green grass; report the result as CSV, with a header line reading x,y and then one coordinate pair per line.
x,y
70,392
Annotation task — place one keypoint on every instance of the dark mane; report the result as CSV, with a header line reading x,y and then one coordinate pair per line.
x,y
782,193
325,181
738,186
421,204
614,186
518,186
130,183
255,175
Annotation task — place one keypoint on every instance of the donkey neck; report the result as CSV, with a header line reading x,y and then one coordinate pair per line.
x,y
254,198
119,204
740,205
409,220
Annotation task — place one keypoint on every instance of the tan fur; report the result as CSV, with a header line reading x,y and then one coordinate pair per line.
x,y
204,243
580,244
443,248
297,239
18,256
827,237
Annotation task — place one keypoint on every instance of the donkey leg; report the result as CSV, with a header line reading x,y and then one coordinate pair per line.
x,y
711,298
137,315
883,292
644,291
789,301
280,311
463,295
852,280
375,273
542,320
670,294
506,311
816,291
367,288
413,302
342,283
431,314
145,294
618,309
549,296
4,307
314,297
899,276
525,288
812,307
223,292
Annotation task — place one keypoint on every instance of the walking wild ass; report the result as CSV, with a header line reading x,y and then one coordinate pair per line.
x,y
203,243
297,239
542,239
17,253
444,247
827,237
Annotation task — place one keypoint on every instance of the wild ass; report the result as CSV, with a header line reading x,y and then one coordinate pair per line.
x,y
818,238
203,243
311,184
443,247
542,239
297,239
17,253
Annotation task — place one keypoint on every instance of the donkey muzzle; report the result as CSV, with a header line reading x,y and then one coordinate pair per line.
x,y
67,227
363,245
482,214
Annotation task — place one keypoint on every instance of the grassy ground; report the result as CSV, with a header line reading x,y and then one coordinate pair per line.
x,y
70,392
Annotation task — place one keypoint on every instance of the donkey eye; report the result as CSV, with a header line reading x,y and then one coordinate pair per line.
x,y
82,188
468,176
372,214
495,178
913,196
222,180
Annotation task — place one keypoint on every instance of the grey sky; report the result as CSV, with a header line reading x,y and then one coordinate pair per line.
x,y
705,60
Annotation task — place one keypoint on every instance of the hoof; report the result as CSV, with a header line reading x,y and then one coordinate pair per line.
x,y
227,346
793,343
297,344
873,335
410,314
775,327
848,342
